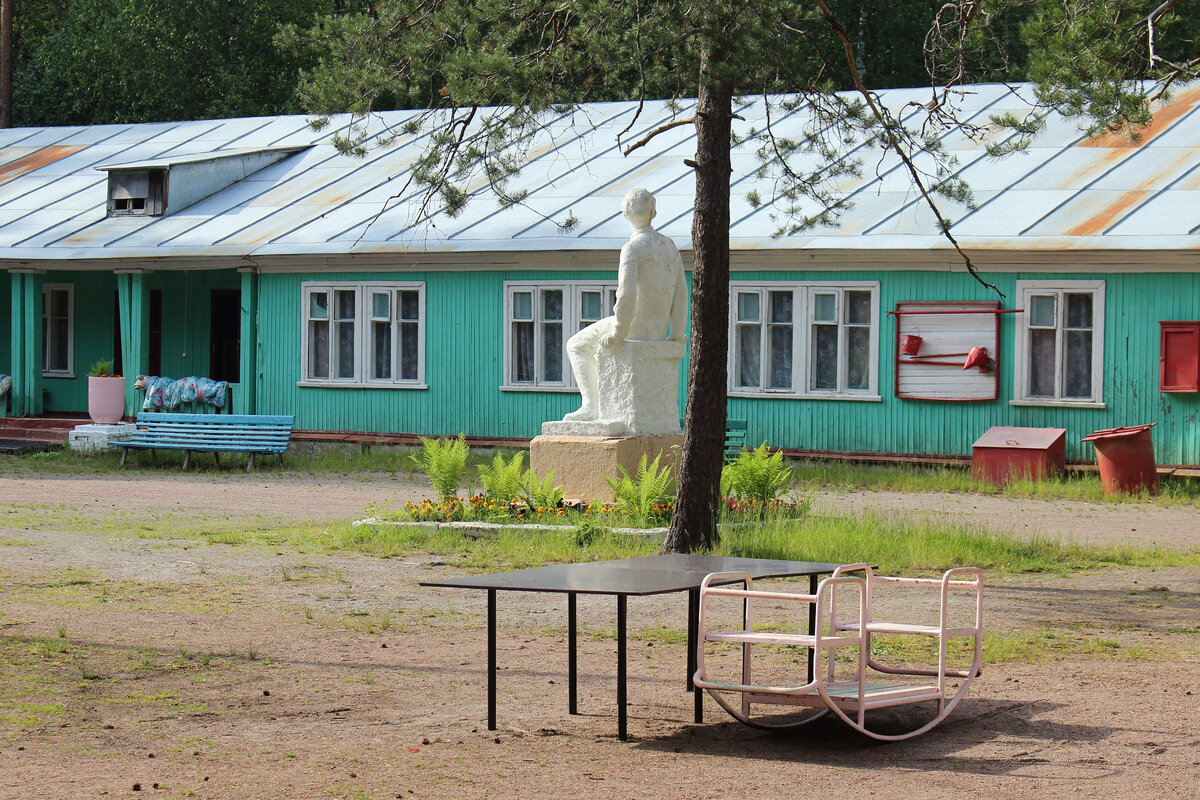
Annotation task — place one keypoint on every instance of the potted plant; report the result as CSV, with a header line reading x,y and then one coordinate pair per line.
x,y
106,394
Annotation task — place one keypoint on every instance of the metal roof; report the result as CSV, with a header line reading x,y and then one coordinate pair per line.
x,y
1064,192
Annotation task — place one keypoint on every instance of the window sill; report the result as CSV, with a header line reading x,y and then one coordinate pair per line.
x,y
352,385
533,388
1052,403
59,375
857,398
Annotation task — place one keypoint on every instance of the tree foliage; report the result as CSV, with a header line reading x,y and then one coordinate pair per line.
x,y
100,61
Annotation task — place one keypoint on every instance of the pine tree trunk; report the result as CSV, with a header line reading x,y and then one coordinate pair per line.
x,y
694,525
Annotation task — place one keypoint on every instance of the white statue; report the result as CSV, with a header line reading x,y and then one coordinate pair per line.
x,y
651,303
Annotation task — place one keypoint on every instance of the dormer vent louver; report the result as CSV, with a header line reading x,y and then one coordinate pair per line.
x,y
168,184
140,193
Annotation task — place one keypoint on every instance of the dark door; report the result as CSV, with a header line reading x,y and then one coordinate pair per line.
x,y
224,352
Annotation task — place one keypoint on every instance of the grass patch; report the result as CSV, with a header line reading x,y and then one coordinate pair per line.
x,y
905,545
1079,486
1006,647
366,462
893,545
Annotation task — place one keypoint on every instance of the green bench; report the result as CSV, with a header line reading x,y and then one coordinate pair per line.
x,y
209,433
735,437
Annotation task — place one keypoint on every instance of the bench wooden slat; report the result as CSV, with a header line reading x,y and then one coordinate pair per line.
x,y
168,429
208,433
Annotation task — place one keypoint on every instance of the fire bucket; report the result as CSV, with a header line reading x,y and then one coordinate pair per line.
x,y
977,357
910,344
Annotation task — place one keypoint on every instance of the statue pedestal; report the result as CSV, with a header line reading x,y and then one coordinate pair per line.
x,y
581,462
638,392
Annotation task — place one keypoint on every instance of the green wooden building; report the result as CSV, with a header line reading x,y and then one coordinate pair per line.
x,y
319,285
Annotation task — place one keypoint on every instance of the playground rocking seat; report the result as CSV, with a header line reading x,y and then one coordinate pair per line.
x,y
847,685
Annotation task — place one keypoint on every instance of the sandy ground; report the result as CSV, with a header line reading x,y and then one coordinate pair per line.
x,y
178,668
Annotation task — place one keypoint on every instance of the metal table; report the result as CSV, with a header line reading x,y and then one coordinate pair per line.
x,y
622,578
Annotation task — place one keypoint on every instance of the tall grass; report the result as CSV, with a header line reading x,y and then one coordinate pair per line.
x,y
505,550
1079,486
904,545
894,546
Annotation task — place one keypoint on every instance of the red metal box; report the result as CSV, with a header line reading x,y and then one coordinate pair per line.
x,y
1179,357
1004,454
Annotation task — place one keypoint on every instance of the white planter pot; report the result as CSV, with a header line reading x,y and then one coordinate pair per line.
x,y
106,400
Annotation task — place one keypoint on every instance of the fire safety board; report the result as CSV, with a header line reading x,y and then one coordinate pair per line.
x,y
947,350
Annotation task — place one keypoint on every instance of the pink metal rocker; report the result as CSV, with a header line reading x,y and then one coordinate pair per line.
x,y
841,641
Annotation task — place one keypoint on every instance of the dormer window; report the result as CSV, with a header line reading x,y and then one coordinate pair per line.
x,y
138,193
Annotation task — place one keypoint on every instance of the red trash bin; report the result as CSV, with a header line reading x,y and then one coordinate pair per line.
x,y
1126,459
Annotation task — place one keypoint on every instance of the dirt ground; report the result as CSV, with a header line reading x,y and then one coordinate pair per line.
x,y
137,665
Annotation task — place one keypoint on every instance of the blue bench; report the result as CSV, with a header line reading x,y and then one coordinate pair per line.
x,y
210,433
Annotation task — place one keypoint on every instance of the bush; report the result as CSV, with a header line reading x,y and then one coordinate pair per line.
x,y
443,461
651,496
504,481
543,493
758,477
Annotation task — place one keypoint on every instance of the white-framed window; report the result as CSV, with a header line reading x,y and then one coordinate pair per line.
x,y
538,320
1060,343
58,330
363,334
809,339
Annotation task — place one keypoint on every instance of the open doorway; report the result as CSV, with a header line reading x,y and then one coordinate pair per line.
x,y
225,327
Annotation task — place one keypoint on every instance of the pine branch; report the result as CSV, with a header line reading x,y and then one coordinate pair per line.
x,y
893,141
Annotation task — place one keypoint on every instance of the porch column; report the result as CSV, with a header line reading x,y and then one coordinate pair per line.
x,y
245,400
133,302
26,350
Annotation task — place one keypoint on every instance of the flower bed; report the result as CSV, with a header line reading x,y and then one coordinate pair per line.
x,y
478,508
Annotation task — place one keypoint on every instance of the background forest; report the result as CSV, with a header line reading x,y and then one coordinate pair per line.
x,y
79,62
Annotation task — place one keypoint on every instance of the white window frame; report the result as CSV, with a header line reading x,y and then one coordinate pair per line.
x,y
362,334
69,372
803,294
572,320
1025,292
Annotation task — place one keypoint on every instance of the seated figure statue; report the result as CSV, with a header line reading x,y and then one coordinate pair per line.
x,y
651,306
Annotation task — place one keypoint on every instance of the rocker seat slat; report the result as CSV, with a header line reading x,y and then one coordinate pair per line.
x,y
793,639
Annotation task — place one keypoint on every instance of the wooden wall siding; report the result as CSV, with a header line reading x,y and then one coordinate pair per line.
x,y
95,302
464,370
186,309
185,341
464,362
1134,304
5,327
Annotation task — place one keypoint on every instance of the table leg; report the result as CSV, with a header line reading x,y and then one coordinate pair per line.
x,y
621,720
572,662
812,626
692,635
491,647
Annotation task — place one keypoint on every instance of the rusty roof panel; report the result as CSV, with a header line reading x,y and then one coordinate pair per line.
x,y
1062,193
1171,213
1182,106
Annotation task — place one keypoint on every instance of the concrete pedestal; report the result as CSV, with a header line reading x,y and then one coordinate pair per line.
x,y
580,463
88,438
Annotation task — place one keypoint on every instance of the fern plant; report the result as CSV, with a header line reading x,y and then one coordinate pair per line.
x,y
650,495
443,461
503,481
543,493
757,476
